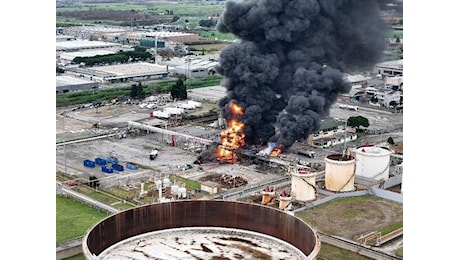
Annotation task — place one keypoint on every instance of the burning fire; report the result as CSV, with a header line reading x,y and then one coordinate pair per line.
x,y
232,138
277,151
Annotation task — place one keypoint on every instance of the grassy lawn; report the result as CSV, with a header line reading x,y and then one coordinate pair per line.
x,y
194,9
332,252
353,216
74,218
208,47
96,195
215,35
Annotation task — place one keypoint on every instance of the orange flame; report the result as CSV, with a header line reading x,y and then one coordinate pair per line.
x,y
236,110
232,138
277,151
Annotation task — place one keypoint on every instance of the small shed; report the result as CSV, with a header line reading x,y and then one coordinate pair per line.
x,y
210,187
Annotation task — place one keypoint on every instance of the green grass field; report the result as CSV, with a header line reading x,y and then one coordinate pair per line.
x,y
74,218
332,252
194,9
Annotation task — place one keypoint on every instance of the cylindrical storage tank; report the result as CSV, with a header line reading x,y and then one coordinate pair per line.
x,y
182,192
267,197
166,182
137,226
303,185
158,183
340,173
284,202
373,162
174,189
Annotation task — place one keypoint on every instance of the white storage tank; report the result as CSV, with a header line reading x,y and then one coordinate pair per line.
x,y
373,162
303,185
166,182
182,193
174,189
158,183
340,173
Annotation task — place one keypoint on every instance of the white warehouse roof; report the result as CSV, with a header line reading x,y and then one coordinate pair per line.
x,y
69,80
132,69
86,53
83,44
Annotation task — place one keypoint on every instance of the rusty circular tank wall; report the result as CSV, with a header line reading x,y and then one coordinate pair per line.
x,y
201,213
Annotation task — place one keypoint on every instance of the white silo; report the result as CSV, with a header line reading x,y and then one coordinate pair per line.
x,y
303,185
174,189
182,193
166,182
373,162
158,184
340,173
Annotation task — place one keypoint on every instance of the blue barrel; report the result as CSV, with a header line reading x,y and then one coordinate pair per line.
x,y
117,167
100,161
106,170
131,166
89,163
112,160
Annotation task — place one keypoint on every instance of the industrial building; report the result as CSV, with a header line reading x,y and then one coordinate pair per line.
x,y
196,68
66,84
122,72
356,80
390,68
78,45
134,38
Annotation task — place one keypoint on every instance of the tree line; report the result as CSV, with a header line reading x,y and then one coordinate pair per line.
x,y
139,54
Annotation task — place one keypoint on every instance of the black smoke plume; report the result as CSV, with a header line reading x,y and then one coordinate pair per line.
x,y
286,68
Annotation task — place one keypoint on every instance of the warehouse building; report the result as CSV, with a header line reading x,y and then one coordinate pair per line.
x,y
122,72
65,84
390,68
134,38
196,68
79,45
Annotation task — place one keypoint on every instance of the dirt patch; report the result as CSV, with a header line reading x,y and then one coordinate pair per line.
x,y
352,217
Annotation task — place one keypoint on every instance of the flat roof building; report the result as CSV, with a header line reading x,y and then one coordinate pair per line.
x,y
66,84
78,45
122,72
196,68
390,68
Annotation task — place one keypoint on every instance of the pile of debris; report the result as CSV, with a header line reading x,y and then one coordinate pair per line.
x,y
226,181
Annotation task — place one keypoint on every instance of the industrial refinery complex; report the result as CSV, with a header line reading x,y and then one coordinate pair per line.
x,y
286,155
299,179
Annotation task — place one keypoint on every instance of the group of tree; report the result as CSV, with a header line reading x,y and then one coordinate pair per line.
x,y
357,122
59,70
207,23
137,91
179,90
139,54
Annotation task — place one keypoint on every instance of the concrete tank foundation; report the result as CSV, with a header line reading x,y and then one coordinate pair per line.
x,y
243,218
340,173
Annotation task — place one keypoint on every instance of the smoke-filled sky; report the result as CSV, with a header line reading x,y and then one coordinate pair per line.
x,y
286,69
